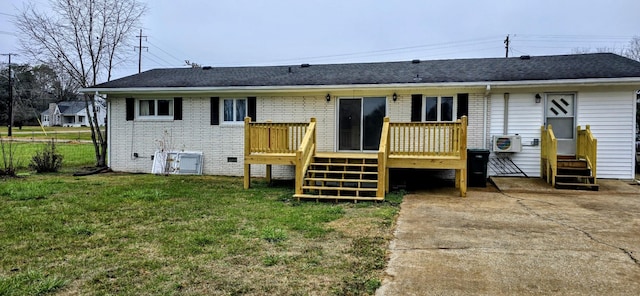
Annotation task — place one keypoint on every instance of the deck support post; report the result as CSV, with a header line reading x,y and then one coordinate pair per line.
x,y
386,181
268,174
462,173
247,176
461,181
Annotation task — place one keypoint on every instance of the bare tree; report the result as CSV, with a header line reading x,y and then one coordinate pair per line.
x,y
584,50
633,49
85,38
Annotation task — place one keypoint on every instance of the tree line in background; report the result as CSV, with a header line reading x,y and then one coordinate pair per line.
x,y
34,87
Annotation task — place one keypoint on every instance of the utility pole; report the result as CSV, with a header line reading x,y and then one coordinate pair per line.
x,y
506,46
10,125
140,47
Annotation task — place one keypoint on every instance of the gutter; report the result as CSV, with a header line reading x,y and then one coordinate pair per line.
x,y
632,81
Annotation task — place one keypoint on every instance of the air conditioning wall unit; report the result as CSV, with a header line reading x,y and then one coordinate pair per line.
x,y
507,143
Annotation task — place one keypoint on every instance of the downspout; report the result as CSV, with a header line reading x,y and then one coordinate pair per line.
x,y
505,126
485,103
107,124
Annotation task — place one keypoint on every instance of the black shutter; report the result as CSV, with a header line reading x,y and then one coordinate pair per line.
x,y
130,109
215,111
463,105
251,106
416,107
177,108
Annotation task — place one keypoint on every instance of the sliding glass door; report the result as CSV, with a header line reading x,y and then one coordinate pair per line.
x,y
360,123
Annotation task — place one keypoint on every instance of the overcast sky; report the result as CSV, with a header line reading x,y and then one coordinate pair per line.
x,y
281,32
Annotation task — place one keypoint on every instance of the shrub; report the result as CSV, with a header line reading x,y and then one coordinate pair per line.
x,y
8,151
47,160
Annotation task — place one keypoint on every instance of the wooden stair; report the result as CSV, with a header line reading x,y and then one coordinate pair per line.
x,y
341,176
575,174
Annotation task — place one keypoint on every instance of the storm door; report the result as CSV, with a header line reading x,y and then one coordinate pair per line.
x,y
360,123
560,113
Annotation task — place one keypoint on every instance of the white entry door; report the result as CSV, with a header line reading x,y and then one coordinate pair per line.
x,y
560,114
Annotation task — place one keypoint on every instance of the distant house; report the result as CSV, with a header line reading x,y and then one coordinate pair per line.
x,y
203,109
71,114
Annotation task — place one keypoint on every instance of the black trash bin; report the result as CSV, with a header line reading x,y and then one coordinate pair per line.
x,y
477,160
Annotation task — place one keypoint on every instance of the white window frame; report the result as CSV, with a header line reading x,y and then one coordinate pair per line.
x,y
155,104
454,107
234,120
45,118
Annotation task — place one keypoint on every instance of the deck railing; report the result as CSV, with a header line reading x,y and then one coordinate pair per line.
x,y
305,153
432,139
586,148
269,137
383,154
548,154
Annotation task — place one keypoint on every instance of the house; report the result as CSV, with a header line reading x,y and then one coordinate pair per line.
x,y
203,109
70,113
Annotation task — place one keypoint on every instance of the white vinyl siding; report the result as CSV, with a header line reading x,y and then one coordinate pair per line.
x,y
611,117
525,119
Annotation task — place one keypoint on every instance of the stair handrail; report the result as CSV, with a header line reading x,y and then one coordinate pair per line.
x,y
383,155
587,149
548,154
305,154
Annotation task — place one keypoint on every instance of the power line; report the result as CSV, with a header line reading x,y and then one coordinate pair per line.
x,y
167,53
389,51
159,58
154,61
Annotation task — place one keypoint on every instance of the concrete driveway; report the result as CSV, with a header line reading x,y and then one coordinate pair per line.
x,y
519,238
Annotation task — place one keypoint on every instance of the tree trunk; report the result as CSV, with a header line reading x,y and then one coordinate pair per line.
x,y
99,142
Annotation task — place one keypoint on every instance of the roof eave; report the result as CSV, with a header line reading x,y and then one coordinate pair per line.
x,y
390,86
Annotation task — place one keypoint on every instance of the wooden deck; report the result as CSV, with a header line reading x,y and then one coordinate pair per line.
x,y
356,176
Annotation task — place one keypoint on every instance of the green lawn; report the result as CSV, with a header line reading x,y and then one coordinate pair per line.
x,y
75,155
135,234
56,132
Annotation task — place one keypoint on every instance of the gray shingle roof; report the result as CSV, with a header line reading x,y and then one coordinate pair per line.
x,y
582,66
71,107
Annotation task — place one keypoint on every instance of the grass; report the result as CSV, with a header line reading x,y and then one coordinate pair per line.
x,y
75,154
190,235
